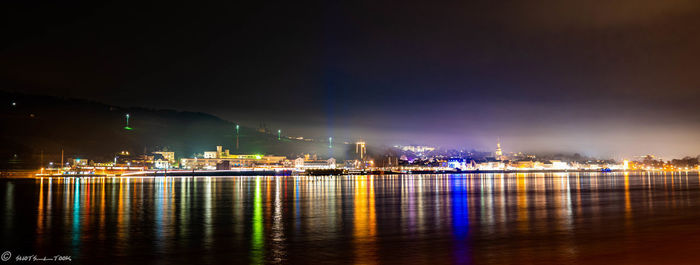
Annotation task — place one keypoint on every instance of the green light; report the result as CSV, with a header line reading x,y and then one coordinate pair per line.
x,y
279,135
258,156
257,222
237,127
127,122
330,142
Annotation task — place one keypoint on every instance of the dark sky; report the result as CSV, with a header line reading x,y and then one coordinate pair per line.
x,y
612,78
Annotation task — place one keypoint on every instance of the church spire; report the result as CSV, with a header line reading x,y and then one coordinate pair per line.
x,y
499,151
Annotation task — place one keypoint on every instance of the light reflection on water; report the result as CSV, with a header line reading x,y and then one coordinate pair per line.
x,y
472,218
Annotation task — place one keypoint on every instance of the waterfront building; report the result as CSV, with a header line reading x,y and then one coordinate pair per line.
x,y
161,163
80,162
558,164
214,158
302,163
457,163
525,164
491,165
234,161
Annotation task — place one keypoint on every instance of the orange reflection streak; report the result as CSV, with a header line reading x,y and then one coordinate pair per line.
x,y
87,207
365,223
67,191
372,212
628,205
102,209
522,202
268,202
40,213
48,204
121,235
171,209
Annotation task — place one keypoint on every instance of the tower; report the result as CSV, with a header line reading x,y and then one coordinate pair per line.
x,y
361,149
127,122
499,151
237,127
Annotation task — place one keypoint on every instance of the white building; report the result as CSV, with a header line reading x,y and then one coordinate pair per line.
x,y
161,164
301,163
417,148
491,166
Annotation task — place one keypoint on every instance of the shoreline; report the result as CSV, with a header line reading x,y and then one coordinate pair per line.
x,y
19,174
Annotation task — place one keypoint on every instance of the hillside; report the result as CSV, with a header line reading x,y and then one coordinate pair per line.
x,y
94,130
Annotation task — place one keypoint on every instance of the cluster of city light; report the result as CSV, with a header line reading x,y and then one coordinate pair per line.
x,y
222,160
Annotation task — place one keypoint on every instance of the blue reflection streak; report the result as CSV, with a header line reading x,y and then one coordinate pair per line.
x,y
76,217
460,217
460,207
297,220
159,194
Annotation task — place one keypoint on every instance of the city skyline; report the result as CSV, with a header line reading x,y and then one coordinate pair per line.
x,y
489,141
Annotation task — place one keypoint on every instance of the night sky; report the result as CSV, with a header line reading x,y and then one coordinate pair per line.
x,y
607,78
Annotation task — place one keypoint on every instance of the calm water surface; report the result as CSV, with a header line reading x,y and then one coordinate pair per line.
x,y
539,218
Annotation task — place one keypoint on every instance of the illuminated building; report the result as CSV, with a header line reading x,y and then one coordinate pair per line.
x,y
80,162
302,163
457,163
161,163
213,158
417,148
557,164
491,166
525,164
499,152
361,149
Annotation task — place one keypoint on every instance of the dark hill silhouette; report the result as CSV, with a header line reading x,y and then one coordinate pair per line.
x,y
93,130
